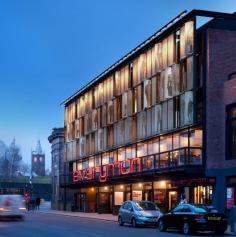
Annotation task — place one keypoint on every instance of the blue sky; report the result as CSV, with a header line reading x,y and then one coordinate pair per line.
x,y
50,48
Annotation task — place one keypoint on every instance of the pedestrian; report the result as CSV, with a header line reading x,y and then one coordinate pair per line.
x,y
183,199
37,202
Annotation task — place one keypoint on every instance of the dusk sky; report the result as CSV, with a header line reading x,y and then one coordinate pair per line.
x,y
50,48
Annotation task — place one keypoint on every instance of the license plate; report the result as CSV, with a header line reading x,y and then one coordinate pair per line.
x,y
214,218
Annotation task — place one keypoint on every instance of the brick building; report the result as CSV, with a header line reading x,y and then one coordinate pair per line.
x,y
158,123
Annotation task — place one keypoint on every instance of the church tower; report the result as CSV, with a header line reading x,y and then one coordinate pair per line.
x,y
38,161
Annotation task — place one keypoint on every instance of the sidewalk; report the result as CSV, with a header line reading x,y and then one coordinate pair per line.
x,y
104,217
46,208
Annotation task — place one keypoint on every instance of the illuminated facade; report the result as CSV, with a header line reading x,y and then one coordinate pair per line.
x,y
137,130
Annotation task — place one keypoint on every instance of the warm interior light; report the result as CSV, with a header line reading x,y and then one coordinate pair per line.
x,y
163,184
105,188
91,163
121,186
92,189
140,185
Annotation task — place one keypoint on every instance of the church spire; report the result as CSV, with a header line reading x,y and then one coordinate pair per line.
x,y
38,149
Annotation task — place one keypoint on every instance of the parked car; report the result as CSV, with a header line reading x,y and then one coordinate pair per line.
x,y
191,218
139,213
12,206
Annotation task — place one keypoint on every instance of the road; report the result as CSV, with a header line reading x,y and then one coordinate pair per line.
x,y
52,225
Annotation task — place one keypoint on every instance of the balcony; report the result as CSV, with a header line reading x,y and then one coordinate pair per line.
x,y
162,162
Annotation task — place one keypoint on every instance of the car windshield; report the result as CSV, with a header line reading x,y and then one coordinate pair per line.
x,y
199,210
145,206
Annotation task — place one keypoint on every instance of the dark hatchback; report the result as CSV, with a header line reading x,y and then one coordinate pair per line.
x,y
190,218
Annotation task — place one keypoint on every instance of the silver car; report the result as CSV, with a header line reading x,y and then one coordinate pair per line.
x,y
139,213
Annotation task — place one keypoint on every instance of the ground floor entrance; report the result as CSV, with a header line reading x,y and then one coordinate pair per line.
x,y
165,193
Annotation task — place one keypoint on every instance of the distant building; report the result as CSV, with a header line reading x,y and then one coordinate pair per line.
x,y
38,161
57,152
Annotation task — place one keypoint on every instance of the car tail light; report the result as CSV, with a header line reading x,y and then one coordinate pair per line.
x,y
199,218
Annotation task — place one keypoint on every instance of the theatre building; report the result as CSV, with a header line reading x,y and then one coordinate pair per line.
x,y
158,123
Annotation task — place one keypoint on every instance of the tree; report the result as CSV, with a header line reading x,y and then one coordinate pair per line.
x,y
10,159
24,169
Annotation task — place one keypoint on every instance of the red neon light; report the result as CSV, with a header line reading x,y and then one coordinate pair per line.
x,y
133,165
122,164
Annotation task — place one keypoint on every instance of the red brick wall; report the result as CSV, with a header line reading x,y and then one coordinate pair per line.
x,y
221,61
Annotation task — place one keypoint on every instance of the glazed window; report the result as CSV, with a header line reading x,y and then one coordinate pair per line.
x,y
110,136
105,158
124,104
164,52
91,162
175,141
130,152
189,73
231,132
164,116
117,83
186,108
154,90
148,162
170,114
135,100
139,98
165,143
176,108
183,138
170,40
130,103
121,154
189,32
141,149
147,93
142,67
159,58
142,124
196,138
149,63
136,80
176,79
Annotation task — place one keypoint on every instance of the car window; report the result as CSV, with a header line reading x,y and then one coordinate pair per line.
x,y
145,206
186,209
124,206
128,206
178,209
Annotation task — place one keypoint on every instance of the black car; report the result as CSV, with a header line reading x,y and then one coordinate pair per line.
x,y
190,218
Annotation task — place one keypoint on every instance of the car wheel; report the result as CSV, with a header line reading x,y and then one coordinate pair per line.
x,y
121,223
161,225
186,228
133,222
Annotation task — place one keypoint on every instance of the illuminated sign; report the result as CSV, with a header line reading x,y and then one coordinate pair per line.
x,y
194,181
230,201
109,170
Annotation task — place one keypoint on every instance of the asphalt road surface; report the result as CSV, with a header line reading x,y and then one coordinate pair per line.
x,y
52,225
